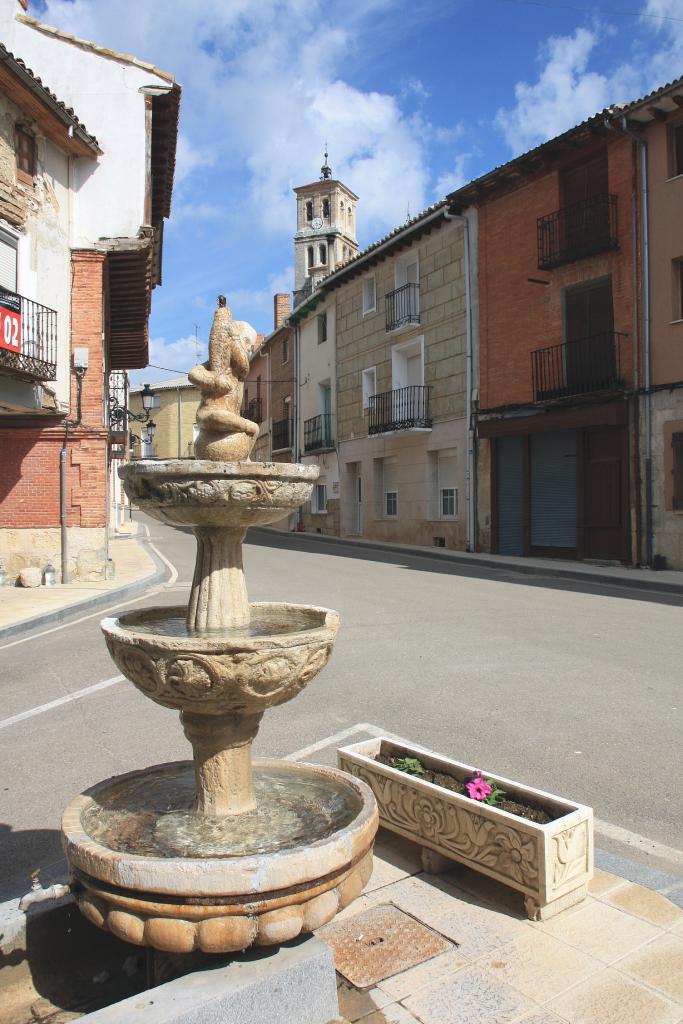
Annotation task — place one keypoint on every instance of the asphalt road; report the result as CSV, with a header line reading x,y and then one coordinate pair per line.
x,y
572,688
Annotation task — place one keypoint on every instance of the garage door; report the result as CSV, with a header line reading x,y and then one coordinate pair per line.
x,y
509,495
553,472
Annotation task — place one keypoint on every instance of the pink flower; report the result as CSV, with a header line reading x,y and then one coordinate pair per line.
x,y
479,788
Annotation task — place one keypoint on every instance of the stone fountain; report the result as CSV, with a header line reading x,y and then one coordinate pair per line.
x,y
225,851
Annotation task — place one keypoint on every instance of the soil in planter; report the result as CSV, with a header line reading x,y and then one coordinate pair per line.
x,y
522,809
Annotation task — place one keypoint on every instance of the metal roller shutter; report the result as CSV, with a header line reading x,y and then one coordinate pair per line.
x,y
509,495
8,262
552,466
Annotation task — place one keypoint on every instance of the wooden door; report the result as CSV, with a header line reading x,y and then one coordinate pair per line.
x,y
590,363
605,493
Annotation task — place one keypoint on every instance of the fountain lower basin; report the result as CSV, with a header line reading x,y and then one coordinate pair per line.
x,y
152,872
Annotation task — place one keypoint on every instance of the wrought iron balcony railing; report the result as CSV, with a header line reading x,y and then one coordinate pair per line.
x,y
318,432
282,434
402,306
577,231
578,367
400,409
28,342
254,411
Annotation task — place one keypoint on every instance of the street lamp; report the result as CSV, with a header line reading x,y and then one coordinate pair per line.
x,y
147,397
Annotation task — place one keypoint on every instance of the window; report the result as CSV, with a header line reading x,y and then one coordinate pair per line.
x,y
309,210
675,150
448,502
26,155
285,350
369,383
369,295
407,364
391,504
322,249
443,483
320,498
258,389
678,289
322,328
386,487
350,215
326,209
8,261
311,256
677,445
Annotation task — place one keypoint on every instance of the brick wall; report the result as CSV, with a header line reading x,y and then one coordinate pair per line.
x,y
29,468
282,307
518,316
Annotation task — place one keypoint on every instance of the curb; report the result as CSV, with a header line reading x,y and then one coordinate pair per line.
x,y
483,561
133,589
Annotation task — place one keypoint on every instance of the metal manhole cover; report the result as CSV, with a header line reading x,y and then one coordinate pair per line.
x,y
378,943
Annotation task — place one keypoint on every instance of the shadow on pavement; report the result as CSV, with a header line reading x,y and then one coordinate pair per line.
x,y
425,563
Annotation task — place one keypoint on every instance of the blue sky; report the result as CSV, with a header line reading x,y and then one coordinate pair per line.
x,y
414,99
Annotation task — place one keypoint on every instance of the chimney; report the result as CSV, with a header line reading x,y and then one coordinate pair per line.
x,y
23,4
282,306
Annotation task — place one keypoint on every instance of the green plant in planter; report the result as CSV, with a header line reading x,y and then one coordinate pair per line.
x,y
409,765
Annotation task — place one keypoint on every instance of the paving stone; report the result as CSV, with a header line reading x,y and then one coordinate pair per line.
x,y
471,996
540,966
603,881
478,929
400,852
488,890
404,984
612,998
393,1014
646,904
600,931
659,964
355,1004
541,1017
389,868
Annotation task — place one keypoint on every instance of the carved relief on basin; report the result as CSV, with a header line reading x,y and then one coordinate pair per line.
x,y
268,664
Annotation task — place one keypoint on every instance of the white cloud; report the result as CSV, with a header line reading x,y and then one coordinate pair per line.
x,y
568,89
264,92
450,180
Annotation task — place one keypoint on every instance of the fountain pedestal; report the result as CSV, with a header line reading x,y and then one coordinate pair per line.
x,y
224,852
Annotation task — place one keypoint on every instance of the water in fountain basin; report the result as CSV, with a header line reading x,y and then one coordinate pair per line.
x,y
152,814
265,621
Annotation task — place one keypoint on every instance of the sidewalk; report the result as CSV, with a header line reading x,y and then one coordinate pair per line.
x,y
137,567
669,581
617,958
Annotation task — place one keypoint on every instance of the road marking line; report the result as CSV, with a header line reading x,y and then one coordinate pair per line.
x,y
85,692
634,839
169,565
336,737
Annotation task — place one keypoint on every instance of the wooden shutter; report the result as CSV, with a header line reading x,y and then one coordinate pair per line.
x,y
589,311
582,182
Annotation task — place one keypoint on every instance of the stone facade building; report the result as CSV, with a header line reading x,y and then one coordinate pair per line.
x,y
174,420
397,317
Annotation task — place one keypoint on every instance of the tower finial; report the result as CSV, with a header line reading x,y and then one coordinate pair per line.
x,y
325,170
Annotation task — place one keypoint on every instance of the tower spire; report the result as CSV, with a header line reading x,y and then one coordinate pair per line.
x,y
325,170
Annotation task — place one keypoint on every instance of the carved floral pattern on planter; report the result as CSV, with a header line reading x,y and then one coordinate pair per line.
x,y
511,853
570,850
244,681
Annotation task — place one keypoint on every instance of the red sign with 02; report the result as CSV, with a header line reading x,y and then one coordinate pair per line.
x,y
10,321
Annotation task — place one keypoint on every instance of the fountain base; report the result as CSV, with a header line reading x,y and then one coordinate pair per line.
x,y
155,873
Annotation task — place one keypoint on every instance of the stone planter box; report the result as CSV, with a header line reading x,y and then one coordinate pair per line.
x,y
550,864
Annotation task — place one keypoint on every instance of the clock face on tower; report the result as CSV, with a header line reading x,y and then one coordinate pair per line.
x,y
316,223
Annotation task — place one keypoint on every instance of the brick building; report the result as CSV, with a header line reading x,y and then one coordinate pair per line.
x,y
81,216
558,349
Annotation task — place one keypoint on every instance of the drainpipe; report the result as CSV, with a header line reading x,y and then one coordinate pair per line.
x,y
470,471
180,454
62,510
649,531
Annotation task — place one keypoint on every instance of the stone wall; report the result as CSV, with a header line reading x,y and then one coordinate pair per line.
x,y
166,419
22,548
667,524
326,523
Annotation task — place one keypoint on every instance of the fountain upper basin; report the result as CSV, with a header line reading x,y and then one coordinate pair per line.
x,y
244,671
198,492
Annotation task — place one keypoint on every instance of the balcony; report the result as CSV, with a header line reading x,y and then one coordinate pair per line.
x,y
282,435
577,231
580,367
402,307
400,409
28,338
318,433
254,410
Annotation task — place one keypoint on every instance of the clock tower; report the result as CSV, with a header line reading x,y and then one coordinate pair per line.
x,y
325,230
